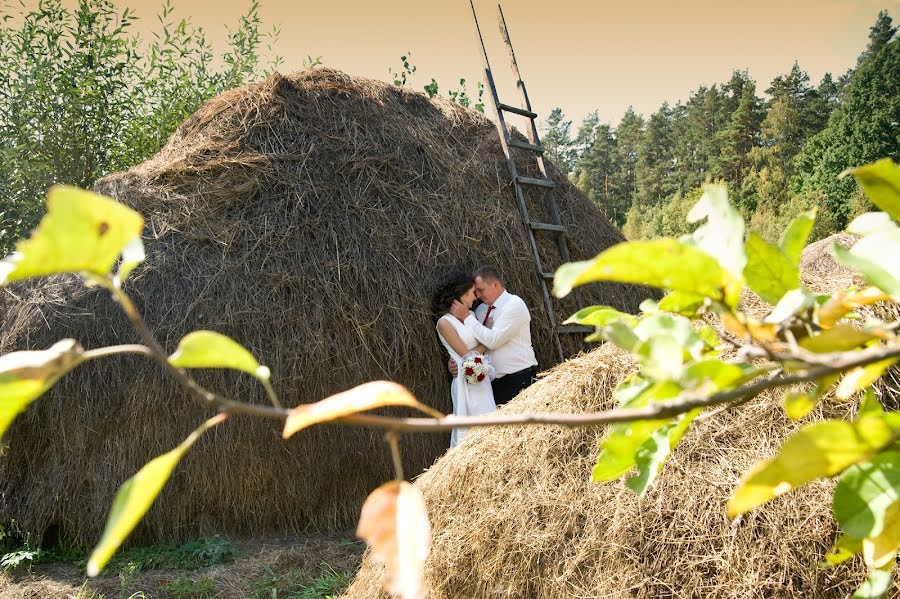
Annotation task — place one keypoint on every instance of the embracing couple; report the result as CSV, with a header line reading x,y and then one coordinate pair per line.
x,y
491,357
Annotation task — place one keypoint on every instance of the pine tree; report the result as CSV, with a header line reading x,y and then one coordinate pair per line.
x,y
655,163
557,140
629,135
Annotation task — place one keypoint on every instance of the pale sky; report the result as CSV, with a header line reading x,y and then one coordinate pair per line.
x,y
578,55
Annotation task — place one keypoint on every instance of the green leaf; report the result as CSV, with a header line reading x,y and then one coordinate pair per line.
x,y
665,263
617,455
769,272
881,550
869,404
82,232
795,236
793,302
881,182
208,349
661,358
137,494
600,316
817,450
844,548
874,256
679,302
865,492
716,372
653,453
629,390
26,375
722,235
622,335
840,338
875,586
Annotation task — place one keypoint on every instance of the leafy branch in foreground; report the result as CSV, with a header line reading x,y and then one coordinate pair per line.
x,y
684,366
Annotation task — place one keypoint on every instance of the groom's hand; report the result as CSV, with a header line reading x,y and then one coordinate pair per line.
x,y
459,310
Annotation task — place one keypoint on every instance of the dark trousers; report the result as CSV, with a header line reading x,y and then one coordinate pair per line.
x,y
507,387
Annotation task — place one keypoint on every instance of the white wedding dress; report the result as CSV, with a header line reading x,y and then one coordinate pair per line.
x,y
468,400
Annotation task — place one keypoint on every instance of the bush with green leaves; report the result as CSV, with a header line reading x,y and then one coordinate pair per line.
x,y
686,365
82,96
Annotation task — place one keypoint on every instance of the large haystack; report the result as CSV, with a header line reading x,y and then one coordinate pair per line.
x,y
305,216
515,513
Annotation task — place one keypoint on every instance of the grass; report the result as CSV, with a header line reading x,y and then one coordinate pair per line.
x,y
295,584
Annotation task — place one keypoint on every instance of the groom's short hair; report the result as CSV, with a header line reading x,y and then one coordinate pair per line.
x,y
489,273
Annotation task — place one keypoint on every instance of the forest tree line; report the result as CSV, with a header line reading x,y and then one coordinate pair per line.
x,y
779,154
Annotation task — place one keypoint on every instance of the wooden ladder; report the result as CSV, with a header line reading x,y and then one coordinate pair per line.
x,y
542,183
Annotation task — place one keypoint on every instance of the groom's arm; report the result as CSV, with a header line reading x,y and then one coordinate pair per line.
x,y
511,319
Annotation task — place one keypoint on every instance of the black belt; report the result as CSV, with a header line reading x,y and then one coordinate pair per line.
x,y
532,369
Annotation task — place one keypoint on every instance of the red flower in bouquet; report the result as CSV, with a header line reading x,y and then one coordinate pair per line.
x,y
469,372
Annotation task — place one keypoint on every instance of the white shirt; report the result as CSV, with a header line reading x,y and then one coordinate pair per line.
x,y
509,339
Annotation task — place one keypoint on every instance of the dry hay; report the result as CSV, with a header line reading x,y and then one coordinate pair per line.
x,y
307,217
515,514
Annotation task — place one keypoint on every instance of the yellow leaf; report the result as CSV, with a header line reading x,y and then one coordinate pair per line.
x,y
881,550
137,494
861,377
394,522
208,349
369,396
81,232
845,302
817,450
840,338
25,375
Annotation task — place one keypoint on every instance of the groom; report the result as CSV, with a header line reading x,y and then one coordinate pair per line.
x,y
502,324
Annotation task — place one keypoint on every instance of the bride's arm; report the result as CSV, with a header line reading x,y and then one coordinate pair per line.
x,y
452,337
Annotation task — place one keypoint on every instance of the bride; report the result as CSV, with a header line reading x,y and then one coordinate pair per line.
x,y
468,399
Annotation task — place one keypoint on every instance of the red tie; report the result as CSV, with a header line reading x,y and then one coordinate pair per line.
x,y
488,315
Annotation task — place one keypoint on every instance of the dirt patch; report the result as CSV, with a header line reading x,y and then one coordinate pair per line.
x,y
304,567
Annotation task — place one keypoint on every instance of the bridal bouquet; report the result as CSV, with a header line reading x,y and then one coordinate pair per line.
x,y
475,368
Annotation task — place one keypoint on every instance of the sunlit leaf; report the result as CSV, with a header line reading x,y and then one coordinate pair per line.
x,y
837,339
874,256
798,404
716,372
817,450
861,377
617,455
394,522
870,222
792,303
881,550
369,396
600,316
865,492
869,404
81,232
881,182
795,236
208,349
661,358
137,494
844,548
845,302
744,327
769,272
132,255
665,263
722,235
26,375
875,586
653,453
679,302
676,327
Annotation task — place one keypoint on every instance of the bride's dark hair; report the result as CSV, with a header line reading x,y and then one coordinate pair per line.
x,y
451,287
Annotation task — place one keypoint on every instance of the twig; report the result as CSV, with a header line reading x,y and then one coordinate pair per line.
x,y
393,439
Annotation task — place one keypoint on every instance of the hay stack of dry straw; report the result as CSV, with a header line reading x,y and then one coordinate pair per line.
x,y
515,514
307,217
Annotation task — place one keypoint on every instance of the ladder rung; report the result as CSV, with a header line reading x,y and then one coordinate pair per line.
x,y
548,227
525,145
547,275
517,110
574,328
533,181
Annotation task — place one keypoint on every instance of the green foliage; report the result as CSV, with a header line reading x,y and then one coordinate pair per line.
x,y
681,370
82,96
186,588
460,96
294,584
